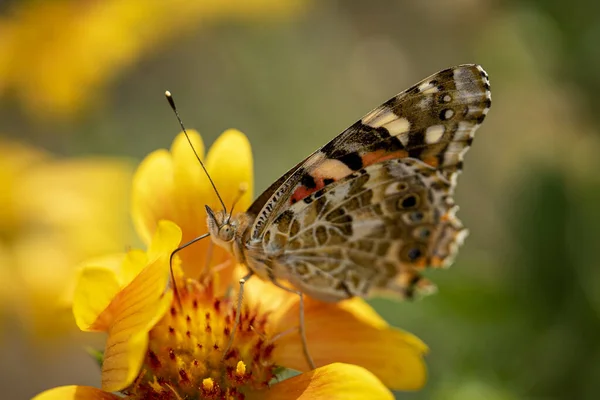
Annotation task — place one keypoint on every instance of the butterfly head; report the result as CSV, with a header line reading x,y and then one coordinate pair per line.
x,y
222,228
220,225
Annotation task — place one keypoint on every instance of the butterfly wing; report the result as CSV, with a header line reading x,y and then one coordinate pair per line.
x,y
433,121
373,229
336,225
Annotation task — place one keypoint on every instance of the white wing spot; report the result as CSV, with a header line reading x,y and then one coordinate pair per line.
x,y
378,118
331,168
398,126
434,133
404,139
447,98
464,131
428,88
448,114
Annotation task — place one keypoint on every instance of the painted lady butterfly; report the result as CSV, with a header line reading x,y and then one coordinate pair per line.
x,y
372,207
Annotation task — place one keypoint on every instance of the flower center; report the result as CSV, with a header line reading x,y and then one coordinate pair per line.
x,y
185,357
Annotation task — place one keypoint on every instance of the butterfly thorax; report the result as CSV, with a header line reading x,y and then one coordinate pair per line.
x,y
233,233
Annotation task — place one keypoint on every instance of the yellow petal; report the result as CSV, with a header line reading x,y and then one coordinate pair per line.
x,y
230,164
95,289
171,185
351,332
136,310
98,289
331,382
152,193
131,265
75,393
165,240
191,190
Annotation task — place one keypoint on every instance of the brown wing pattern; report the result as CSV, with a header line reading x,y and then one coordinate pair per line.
x,y
370,230
434,121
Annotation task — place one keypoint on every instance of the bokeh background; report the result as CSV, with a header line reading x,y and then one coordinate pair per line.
x,y
81,102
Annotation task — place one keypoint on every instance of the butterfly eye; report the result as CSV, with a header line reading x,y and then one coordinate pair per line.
x,y
226,232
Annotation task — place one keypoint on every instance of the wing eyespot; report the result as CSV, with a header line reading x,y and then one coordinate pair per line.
x,y
422,233
412,253
407,202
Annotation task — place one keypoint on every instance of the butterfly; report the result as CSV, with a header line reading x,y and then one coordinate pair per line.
x,y
373,207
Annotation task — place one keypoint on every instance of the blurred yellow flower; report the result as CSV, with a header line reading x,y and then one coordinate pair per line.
x,y
54,213
56,55
161,347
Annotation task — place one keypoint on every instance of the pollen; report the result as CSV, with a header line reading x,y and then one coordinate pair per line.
x,y
187,354
208,384
240,370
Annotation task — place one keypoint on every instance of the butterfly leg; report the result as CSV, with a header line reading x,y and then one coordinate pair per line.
x,y
177,250
209,254
238,313
309,359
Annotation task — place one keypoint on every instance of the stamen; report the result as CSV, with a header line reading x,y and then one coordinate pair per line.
x,y
240,369
186,354
208,384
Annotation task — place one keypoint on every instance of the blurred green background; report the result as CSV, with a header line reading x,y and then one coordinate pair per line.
x,y
516,317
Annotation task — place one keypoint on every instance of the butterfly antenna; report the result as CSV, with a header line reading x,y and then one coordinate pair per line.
x,y
172,104
243,189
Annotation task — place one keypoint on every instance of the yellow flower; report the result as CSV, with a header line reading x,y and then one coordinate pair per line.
x,y
56,55
54,213
172,186
159,349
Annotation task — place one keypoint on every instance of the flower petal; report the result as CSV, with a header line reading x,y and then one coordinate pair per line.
x,y
131,265
229,163
96,288
331,382
173,186
352,332
137,308
75,393
152,193
165,240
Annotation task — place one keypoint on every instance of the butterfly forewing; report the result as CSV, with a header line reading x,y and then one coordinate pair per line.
x,y
434,121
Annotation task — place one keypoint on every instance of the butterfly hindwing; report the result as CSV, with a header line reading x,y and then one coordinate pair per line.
x,y
370,230
434,121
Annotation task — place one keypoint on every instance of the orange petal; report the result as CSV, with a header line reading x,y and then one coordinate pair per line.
x,y
331,382
352,332
75,393
268,297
